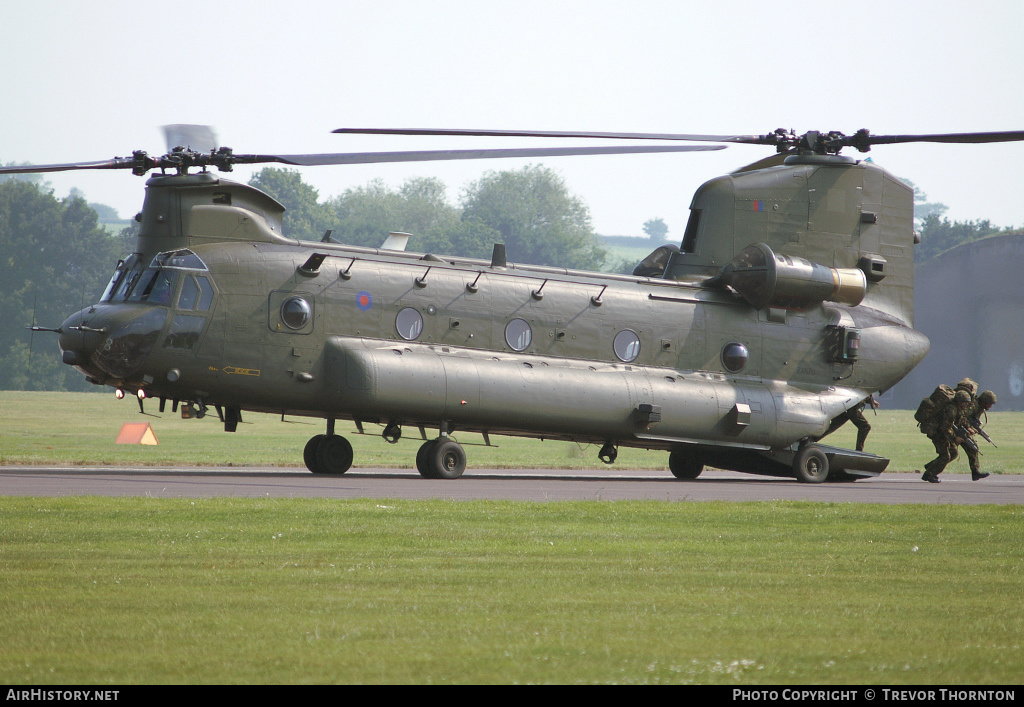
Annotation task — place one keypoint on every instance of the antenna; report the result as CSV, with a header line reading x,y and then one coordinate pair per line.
x,y
396,240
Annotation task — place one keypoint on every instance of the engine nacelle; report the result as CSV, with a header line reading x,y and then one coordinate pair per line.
x,y
766,279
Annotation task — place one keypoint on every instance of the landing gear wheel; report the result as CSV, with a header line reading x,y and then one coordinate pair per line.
x,y
684,464
446,459
422,456
810,465
309,453
334,455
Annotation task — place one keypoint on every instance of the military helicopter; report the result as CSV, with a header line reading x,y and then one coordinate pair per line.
x,y
788,301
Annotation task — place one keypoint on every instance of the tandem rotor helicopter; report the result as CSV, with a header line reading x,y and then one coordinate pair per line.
x,y
789,301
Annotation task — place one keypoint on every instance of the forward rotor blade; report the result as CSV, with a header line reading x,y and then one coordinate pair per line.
x,y
141,163
116,163
437,155
222,158
200,138
547,133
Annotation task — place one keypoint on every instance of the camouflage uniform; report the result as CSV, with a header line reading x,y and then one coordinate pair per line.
x,y
856,416
945,439
979,405
971,450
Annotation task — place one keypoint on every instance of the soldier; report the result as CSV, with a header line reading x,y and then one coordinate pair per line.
x,y
979,405
968,385
985,402
945,437
856,416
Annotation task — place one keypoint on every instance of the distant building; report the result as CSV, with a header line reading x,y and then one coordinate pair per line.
x,y
969,301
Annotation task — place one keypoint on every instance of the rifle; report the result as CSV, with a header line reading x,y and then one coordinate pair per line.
x,y
976,424
968,443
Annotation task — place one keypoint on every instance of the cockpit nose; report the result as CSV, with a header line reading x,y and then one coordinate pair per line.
x,y
112,339
77,340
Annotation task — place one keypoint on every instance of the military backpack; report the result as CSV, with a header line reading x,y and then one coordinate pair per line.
x,y
927,414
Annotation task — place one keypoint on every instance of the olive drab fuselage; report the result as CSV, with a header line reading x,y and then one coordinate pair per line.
x,y
789,302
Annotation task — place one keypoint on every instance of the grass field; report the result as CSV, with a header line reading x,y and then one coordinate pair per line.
x,y
131,591
286,591
80,429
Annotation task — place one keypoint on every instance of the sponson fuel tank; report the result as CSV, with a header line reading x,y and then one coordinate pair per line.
x,y
568,399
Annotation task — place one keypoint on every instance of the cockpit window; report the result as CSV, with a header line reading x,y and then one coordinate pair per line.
x,y
127,283
155,284
124,277
654,264
184,259
690,235
119,272
196,293
205,293
162,289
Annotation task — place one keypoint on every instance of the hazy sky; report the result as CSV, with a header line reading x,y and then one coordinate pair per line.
x,y
91,80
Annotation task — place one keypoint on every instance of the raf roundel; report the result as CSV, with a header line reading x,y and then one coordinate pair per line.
x,y
364,300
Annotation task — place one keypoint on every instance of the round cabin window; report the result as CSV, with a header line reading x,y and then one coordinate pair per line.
x,y
296,312
734,357
626,345
409,323
518,334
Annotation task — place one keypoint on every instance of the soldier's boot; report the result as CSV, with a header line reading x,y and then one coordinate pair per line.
x,y
978,475
929,475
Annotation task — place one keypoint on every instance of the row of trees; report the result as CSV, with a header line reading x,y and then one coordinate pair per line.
x,y
939,234
529,210
55,258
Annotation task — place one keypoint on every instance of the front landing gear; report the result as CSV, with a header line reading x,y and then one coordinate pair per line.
x,y
441,458
328,454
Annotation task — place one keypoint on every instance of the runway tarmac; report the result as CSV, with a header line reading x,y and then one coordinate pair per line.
x,y
497,484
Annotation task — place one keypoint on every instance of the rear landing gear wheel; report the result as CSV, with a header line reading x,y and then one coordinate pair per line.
x,y
328,454
421,459
810,465
309,453
443,459
684,464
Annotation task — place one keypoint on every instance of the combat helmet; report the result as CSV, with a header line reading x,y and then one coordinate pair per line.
x,y
988,398
968,385
962,396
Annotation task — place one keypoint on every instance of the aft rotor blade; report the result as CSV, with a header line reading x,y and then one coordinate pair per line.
x,y
437,155
465,132
969,138
781,139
